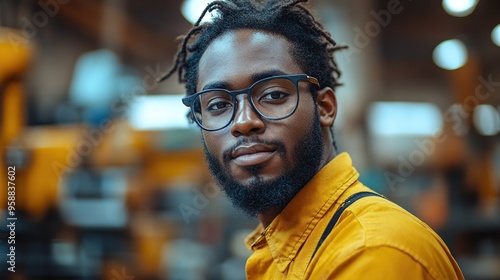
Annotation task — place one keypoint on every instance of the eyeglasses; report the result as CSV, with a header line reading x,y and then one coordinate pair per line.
x,y
273,98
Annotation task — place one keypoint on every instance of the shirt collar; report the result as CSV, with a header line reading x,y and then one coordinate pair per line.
x,y
290,229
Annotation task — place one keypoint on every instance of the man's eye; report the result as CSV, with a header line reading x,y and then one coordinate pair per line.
x,y
274,96
218,105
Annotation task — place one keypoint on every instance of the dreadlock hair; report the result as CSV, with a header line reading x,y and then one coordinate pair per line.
x,y
312,46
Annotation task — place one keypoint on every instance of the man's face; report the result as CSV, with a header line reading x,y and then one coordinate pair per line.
x,y
260,164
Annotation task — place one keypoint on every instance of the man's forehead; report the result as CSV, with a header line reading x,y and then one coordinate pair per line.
x,y
244,52
244,38
249,36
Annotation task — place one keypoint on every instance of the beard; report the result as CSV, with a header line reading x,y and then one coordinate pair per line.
x,y
260,195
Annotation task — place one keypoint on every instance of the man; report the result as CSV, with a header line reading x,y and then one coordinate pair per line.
x,y
260,82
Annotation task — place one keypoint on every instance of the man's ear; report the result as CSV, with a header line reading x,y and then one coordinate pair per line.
x,y
327,106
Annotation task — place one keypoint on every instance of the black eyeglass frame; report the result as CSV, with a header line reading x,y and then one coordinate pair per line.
x,y
294,78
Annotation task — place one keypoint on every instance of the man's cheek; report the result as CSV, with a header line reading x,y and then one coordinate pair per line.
x,y
209,143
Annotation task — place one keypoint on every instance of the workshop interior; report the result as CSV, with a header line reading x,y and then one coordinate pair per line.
x,y
103,177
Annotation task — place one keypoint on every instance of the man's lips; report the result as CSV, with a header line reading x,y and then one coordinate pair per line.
x,y
252,154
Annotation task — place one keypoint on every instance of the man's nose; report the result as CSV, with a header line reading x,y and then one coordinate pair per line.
x,y
246,120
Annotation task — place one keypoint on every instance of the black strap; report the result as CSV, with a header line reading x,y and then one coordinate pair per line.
x,y
353,198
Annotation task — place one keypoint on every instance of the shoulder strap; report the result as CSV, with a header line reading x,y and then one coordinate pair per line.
x,y
350,200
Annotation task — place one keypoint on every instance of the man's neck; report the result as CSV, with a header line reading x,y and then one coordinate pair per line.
x,y
268,216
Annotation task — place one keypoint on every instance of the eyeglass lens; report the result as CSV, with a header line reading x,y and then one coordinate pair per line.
x,y
273,99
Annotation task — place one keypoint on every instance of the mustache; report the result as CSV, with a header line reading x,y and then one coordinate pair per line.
x,y
278,144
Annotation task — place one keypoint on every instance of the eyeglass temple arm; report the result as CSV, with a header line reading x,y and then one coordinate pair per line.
x,y
313,80
187,101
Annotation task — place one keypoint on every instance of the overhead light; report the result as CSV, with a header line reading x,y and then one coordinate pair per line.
x,y
450,54
459,8
495,35
91,85
404,119
192,9
486,120
158,112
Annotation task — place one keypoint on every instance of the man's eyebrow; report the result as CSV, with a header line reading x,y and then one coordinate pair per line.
x,y
255,77
216,85
259,76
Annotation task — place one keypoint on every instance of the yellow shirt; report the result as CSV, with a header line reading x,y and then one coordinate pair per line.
x,y
373,239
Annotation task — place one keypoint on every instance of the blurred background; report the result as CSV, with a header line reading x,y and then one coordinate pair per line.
x,y
110,179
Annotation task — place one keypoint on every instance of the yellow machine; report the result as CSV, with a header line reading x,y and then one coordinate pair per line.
x,y
14,61
27,150
45,156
